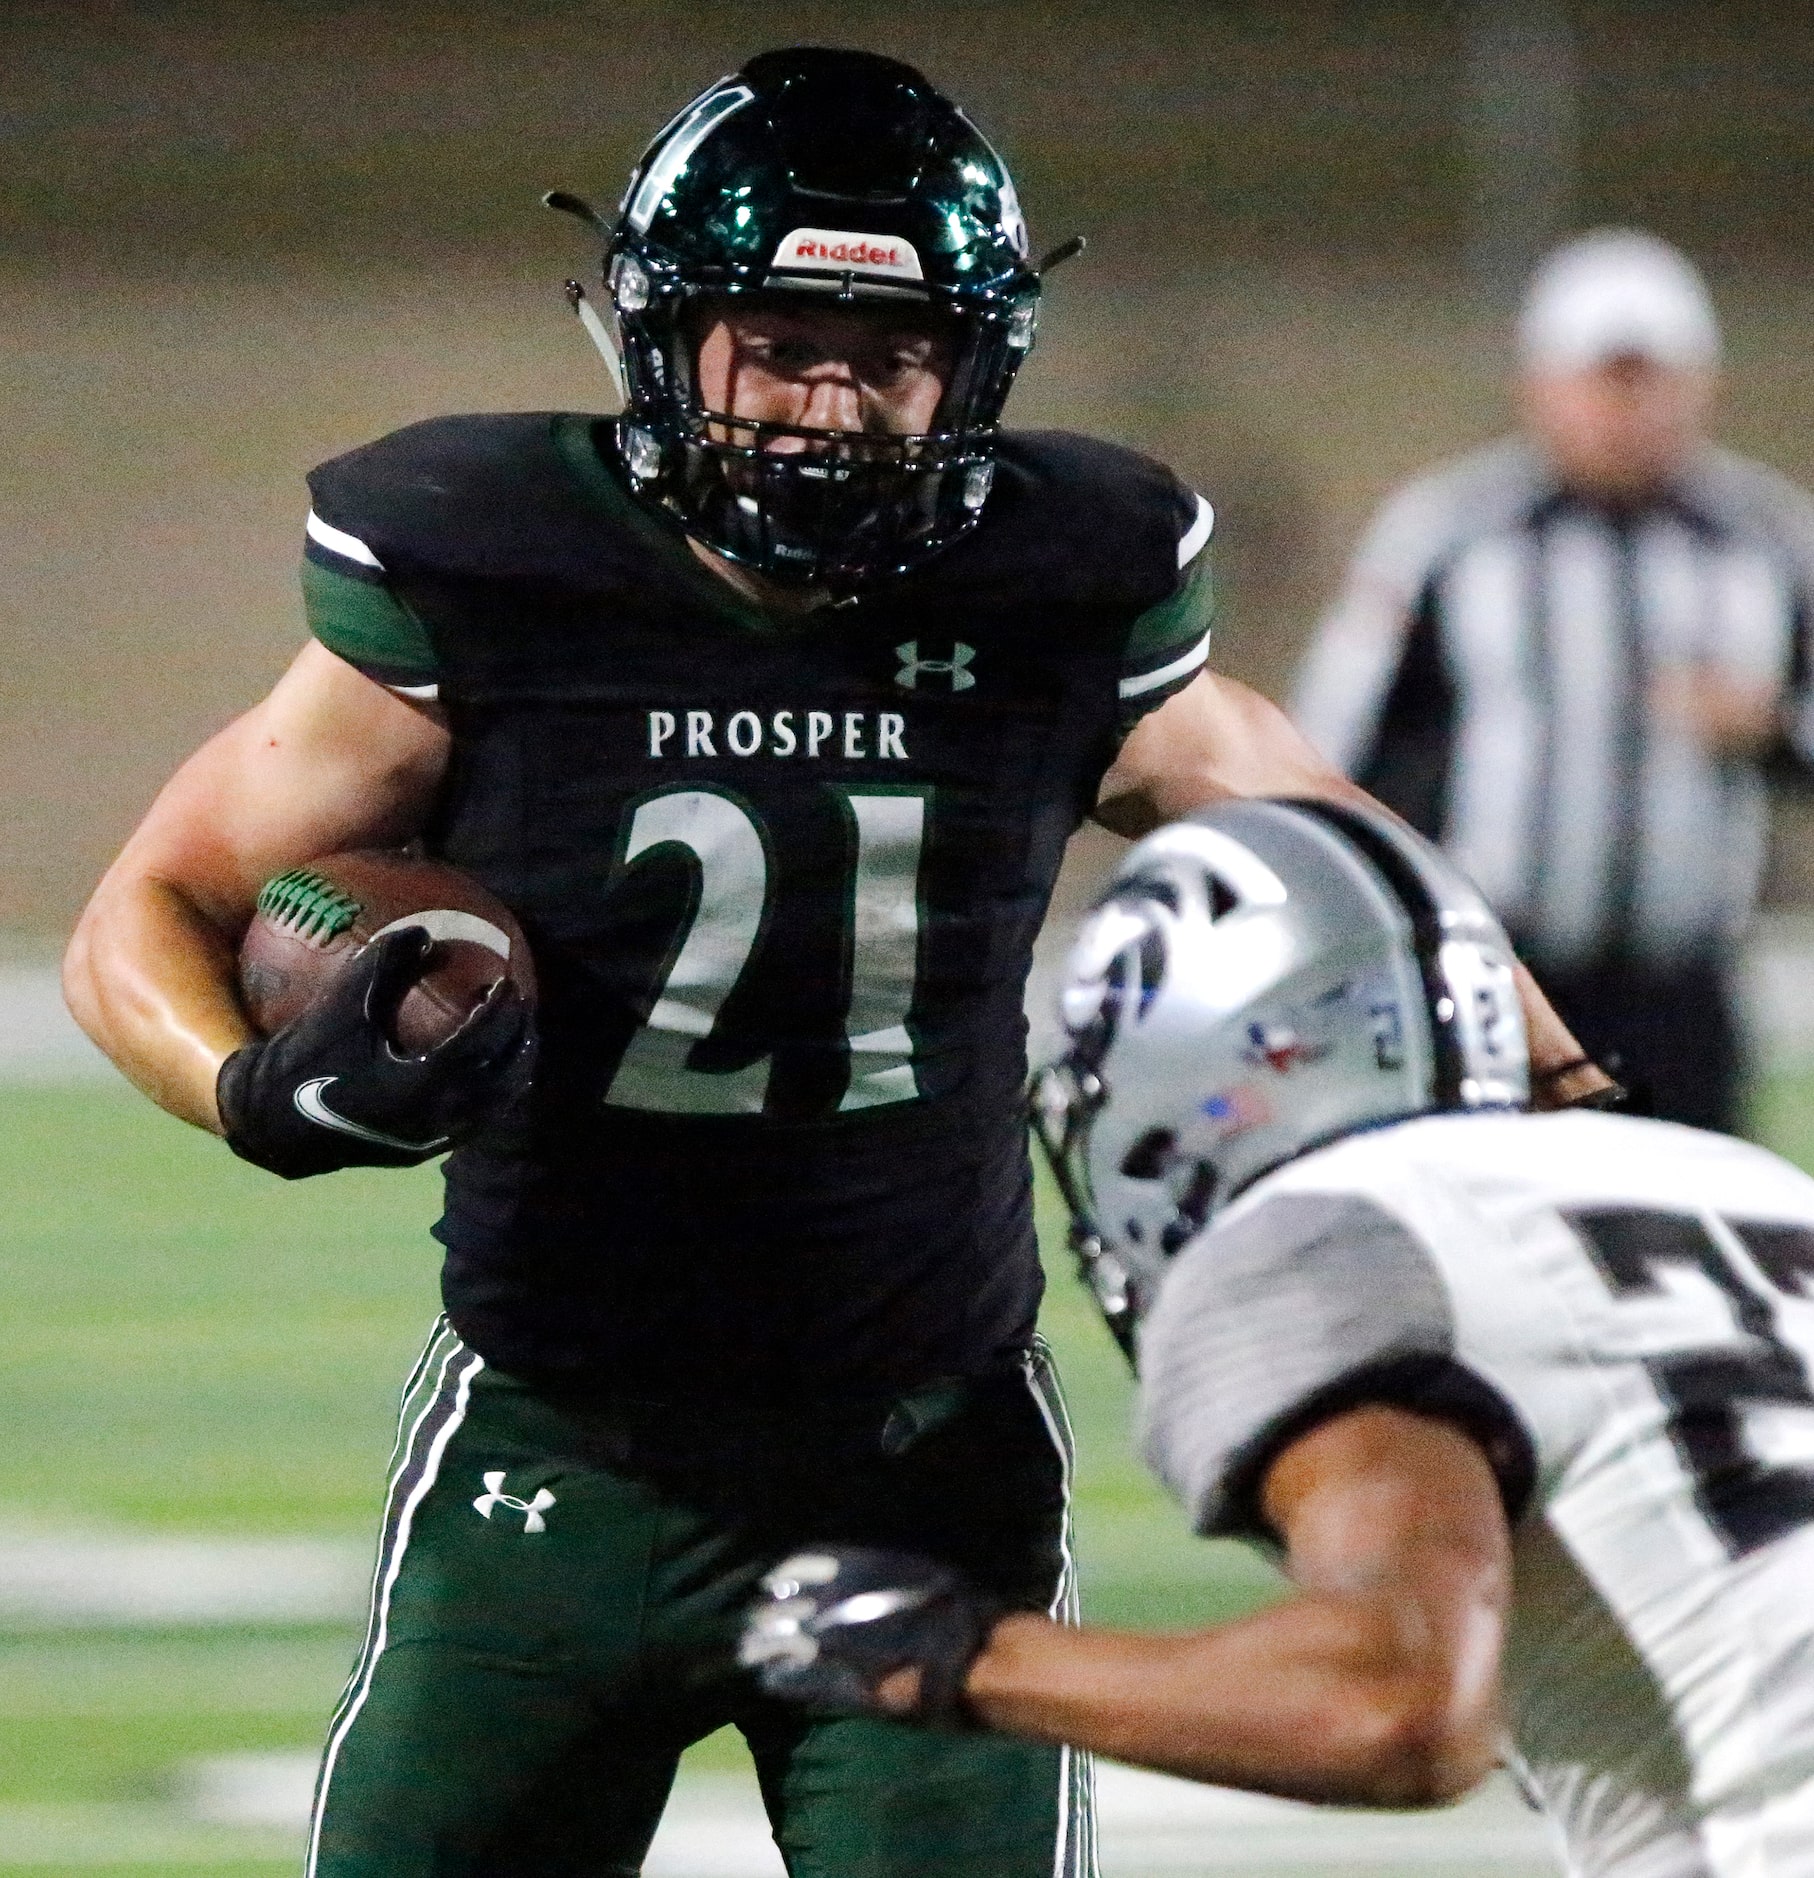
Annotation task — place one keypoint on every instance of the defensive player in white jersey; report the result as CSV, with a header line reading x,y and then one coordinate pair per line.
x,y
1523,1401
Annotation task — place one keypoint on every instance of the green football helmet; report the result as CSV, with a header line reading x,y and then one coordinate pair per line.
x,y
846,176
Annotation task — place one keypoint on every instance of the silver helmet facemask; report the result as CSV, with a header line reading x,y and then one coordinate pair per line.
x,y
1258,981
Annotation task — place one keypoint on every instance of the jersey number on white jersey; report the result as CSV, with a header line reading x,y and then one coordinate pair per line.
x,y
1741,1413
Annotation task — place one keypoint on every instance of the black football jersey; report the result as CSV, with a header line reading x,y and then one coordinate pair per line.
x,y
781,877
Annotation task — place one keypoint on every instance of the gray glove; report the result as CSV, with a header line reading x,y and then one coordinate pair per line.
x,y
832,1624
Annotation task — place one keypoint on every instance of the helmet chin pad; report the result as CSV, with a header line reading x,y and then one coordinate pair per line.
x,y
827,513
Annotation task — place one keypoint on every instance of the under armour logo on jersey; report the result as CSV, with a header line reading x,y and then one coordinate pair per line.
x,y
531,1510
956,668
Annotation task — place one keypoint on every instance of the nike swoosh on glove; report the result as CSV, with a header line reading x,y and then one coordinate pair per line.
x,y
331,1090
832,1624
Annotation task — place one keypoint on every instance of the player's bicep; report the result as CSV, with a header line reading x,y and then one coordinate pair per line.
x,y
1393,1521
1384,1494
329,760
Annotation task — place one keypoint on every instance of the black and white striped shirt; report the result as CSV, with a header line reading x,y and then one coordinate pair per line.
x,y
1488,672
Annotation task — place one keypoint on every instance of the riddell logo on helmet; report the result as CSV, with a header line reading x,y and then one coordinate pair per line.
x,y
841,251
859,253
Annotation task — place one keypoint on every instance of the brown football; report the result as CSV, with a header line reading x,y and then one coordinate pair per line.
x,y
312,922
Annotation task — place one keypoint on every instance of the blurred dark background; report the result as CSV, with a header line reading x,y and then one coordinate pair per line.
x,y
235,238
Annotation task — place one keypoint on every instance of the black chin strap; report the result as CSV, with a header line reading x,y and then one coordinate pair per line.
x,y
1065,251
578,207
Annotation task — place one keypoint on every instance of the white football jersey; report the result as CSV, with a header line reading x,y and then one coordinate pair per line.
x,y
1623,1312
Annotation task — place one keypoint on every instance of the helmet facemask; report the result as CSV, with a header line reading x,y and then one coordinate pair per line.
x,y
806,505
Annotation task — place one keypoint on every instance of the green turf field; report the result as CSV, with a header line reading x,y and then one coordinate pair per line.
x,y
194,1347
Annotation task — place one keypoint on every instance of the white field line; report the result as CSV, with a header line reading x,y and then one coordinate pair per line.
x,y
51,1581
120,1834
40,1043
715,1827
39,1040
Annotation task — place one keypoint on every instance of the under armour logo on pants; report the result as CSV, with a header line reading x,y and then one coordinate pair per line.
x,y
531,1510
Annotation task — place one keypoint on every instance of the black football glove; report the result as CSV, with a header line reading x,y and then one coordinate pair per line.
x,y
831,1625
331,1090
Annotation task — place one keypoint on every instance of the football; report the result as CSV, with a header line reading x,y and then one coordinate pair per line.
x,y
313,921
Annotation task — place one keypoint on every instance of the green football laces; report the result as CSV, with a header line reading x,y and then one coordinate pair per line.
x,y
307,904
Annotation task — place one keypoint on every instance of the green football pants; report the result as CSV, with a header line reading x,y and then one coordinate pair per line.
x,y
555,1610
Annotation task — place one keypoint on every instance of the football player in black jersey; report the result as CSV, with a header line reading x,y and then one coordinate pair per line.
x,y
768,708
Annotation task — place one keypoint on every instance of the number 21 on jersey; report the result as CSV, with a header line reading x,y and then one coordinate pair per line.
x,y
735,880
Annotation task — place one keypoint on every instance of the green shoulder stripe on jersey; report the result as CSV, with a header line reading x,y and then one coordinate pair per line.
x,y
368,626
1167,646
1170,629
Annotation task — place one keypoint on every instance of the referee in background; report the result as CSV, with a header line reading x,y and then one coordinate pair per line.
x,y
1570,657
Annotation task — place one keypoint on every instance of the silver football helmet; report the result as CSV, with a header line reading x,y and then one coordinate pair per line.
x,y
1257,981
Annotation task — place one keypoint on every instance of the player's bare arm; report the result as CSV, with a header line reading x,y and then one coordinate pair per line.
x,y
1375,1684
328,760
1214,740
1218,739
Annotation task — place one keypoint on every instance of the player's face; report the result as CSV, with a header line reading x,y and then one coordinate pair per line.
x,y
867,370
1621,429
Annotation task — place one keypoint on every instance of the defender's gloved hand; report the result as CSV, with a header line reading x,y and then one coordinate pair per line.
x,y
832,1625
330,1090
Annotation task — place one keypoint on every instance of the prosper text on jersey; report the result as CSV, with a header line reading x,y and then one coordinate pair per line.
x,y
850,735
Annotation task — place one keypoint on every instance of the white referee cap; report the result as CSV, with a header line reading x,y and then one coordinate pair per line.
x,y
1614,292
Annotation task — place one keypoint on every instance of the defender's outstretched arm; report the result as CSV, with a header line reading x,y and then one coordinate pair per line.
x,y
329,760
1375,1684
1219,739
